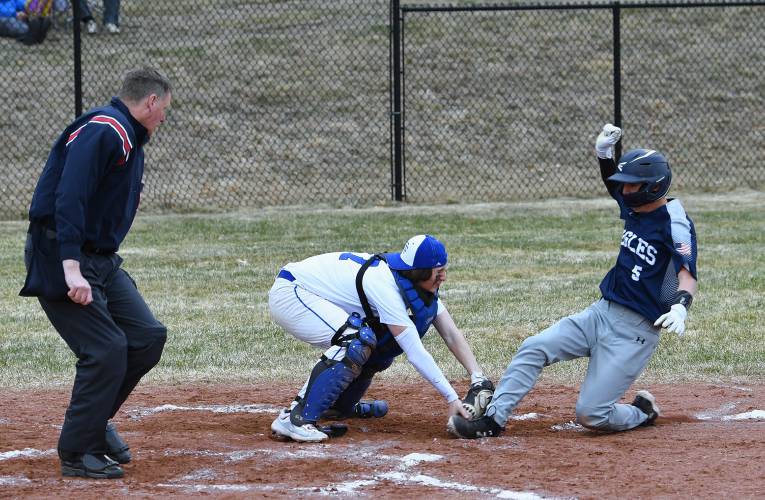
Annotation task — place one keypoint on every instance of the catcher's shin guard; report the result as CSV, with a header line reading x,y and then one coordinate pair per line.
x,y
348,402
330,377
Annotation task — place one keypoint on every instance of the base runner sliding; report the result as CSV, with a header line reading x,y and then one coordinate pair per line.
x,y
651,286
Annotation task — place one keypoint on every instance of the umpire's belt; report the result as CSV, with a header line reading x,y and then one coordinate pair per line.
x,y
284,274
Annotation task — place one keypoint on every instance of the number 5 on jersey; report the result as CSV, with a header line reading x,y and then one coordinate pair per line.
x,y
636,272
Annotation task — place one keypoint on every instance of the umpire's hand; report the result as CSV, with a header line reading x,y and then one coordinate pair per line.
x,y
79,288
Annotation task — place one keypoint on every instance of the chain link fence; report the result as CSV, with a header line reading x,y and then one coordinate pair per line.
x,y
288,102
278,102
503,104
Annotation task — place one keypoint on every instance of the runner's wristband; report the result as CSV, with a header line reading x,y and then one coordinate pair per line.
x,y
684,299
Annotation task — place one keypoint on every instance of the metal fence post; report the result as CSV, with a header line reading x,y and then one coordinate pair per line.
x,y
76,33
617,12
397,171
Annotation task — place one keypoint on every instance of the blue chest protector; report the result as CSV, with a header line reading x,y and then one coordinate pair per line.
x,y
423,309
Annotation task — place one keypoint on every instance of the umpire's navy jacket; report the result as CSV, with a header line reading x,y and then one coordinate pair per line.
x,y
87,195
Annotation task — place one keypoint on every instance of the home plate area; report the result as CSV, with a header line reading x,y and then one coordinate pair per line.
x,y
215,440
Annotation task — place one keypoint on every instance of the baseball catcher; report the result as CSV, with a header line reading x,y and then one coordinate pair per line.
x,y
651,287
363,310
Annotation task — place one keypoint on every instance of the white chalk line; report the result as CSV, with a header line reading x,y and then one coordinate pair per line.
x,y
199,488
724,414
749,415
568,426
254,408
14,480
25,453
721,414
527,416
564,427
201,474
239,455
425,480
398,475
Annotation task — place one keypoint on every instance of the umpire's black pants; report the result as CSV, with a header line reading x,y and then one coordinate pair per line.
x,y
116,340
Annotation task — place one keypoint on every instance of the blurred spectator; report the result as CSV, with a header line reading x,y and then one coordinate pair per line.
x,y
27,21
13,18
111,17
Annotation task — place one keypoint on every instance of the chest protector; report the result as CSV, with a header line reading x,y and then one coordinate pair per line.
x,y
422,305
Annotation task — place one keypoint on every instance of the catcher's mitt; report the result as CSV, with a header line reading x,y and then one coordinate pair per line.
x,y
478,398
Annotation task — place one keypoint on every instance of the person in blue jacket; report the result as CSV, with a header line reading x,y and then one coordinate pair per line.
x,y
651,286
82,208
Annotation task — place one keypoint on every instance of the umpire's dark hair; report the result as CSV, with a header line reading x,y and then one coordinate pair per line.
x,y
143,82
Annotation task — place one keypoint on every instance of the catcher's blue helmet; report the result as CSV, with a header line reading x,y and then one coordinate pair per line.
x,y
646,167
420,252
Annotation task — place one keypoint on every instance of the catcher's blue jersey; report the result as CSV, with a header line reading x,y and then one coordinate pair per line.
x,y
654,247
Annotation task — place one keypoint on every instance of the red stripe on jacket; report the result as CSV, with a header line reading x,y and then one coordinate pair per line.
x,y
127,146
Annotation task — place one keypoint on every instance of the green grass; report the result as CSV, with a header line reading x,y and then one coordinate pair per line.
x,y
514,270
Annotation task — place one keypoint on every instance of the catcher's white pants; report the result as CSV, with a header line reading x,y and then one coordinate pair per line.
x,y
619,343
305,315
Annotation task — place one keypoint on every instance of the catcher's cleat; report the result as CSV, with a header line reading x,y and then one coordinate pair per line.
x,y
90,465
366,408
472,429
645,402
116,447
283,427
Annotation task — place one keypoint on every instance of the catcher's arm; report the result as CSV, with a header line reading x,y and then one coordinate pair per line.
x,y
455,341
423,362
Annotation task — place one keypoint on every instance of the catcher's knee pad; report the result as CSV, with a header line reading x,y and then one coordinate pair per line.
x,y
358,339
330,378
360,348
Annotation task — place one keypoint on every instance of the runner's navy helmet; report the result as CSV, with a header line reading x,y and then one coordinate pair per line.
x,y
648,168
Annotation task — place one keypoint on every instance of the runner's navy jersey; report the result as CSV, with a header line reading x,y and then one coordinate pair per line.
x,y
654,247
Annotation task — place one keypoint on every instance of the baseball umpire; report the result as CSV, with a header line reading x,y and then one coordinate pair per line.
x,y
82,209
355,307
651,286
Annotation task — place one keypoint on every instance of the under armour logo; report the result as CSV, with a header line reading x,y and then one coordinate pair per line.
x,y
640,340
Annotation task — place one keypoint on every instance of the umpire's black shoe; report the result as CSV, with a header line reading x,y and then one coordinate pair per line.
x,y
116,447
89,465
472,429
646,403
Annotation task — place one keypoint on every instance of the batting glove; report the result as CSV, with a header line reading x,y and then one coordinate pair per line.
x,y
604,146
674,320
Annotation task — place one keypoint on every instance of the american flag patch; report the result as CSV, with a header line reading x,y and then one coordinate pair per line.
x,y
683,249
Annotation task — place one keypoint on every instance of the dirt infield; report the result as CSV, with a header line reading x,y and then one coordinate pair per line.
x,y
215,440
